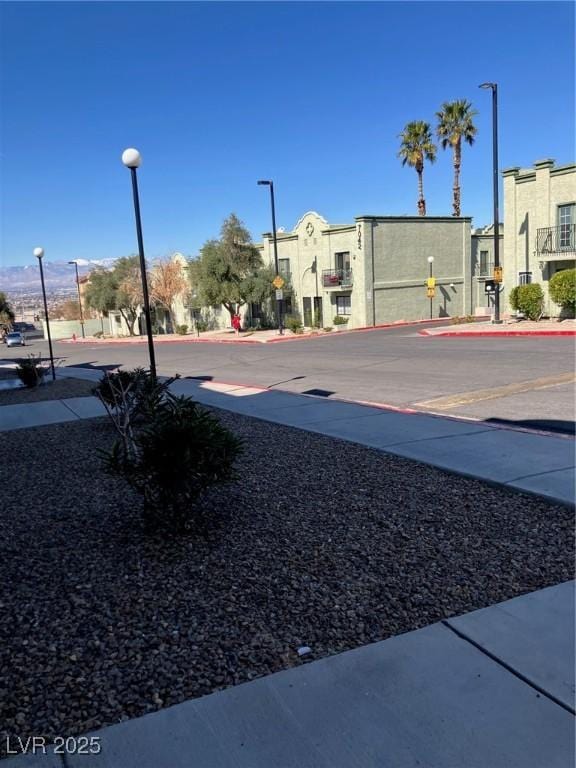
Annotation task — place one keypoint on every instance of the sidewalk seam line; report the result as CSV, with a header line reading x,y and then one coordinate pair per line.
x,y
539,474
508,667
65,404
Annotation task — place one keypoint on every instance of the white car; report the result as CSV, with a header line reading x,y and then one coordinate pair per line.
x,y
15,339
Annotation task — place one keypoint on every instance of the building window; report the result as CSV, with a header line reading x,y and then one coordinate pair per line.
x,y
486,266
524,278
344,305
566,225
284,267
342,260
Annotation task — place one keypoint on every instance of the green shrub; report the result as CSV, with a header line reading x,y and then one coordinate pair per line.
x,y
562,288
293,323
182,330
339,320
179,452
98,335
201,325
528,299
327,329
127,395
30,371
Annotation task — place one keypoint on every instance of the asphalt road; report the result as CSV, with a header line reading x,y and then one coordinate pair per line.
x,y
527,381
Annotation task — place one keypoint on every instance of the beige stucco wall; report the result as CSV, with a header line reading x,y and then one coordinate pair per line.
x,y
401,247
531,200
388,259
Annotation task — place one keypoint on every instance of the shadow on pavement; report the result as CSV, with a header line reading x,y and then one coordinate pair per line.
x,y
547,425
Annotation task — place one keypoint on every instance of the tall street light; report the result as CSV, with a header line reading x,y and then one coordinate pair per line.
x,y
79,298
270,184
39,253
132,159
430,285
497,273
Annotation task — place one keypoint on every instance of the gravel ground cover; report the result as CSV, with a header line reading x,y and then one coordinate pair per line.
x,y
52,390
320,543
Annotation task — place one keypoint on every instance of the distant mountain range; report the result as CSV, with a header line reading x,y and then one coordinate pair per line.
x,y
58,275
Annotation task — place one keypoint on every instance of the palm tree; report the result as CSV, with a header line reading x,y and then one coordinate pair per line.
x,y
454,124
416,147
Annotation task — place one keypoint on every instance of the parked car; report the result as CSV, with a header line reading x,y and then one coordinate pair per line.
x,y
15,339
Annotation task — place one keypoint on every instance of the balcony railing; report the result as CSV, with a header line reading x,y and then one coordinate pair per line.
x,y
335,278
561,239
485,269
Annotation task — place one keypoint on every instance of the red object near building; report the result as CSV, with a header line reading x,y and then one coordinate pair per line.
x,y
236,323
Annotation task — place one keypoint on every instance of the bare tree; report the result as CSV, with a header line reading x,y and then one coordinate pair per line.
x,y
68,310
167,282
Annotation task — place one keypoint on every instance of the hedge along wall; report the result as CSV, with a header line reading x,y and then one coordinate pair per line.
x,y
63,329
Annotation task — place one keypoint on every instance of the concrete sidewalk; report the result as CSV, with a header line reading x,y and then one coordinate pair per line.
x,y
510,327
542,464
490,689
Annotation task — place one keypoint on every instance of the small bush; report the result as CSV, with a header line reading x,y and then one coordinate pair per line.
x,y
562,289
201,325
127,395
30,371
181,330
339,320
327,329
98,335
293,323
528,299
180,452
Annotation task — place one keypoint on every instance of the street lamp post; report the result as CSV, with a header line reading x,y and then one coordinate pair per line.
x,y
270,184
132,159
430,287
494,88
79,298
39,253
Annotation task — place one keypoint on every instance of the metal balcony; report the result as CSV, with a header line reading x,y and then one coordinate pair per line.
x,y
556,242
337,278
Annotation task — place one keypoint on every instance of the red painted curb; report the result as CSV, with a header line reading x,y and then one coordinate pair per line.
x,y
494,334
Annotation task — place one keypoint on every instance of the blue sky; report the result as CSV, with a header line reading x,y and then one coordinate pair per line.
x,y
217,95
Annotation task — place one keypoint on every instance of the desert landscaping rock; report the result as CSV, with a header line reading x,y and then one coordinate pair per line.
x,y
319,543
50,390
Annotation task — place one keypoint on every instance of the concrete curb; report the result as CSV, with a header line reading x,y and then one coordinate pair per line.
x,y
274,340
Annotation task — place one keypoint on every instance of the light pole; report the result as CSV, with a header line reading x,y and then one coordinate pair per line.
x,y
430,286
39,253
270,184
79,298
132,159
494,88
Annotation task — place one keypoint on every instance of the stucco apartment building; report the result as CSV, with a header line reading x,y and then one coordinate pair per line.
x,y
374,270
539,225
483,266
